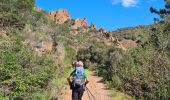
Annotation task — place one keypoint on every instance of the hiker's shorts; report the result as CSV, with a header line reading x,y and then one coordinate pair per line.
x,y
77,94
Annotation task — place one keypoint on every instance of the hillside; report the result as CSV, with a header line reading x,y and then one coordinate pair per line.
x,y
37,49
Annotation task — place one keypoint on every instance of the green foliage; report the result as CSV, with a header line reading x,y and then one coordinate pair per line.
x,y
142,72
64,28
13,12
116,81
70,55
139,33
22,71
2,97
164,13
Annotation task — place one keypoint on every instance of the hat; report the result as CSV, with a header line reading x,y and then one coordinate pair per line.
x,y
80,63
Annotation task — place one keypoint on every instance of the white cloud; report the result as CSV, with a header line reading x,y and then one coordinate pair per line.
x,y
129,3
126,3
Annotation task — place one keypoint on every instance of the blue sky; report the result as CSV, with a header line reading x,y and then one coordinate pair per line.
x,y
109,14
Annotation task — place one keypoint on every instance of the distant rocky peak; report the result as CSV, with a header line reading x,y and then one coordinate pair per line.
x,y
102,30
60,16
80,23
37,9
93,27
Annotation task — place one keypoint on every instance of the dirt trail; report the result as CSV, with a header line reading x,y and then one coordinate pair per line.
x,y
98,89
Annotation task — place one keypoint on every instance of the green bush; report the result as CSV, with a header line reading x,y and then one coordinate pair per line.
x,y
12,11
116,81
141,72
22,72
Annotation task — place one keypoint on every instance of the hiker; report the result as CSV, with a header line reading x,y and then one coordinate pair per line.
x,y
77,80
74,64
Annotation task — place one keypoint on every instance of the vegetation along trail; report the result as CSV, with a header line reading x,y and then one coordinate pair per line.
x,y
38,46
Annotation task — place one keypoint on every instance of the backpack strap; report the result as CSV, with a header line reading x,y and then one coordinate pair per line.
x,y
72,73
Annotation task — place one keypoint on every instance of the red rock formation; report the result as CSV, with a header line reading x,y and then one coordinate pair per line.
x,y
76,24
60,16
52,15
93,27
47,46
102,30
37,9
84,22
79,23
109,36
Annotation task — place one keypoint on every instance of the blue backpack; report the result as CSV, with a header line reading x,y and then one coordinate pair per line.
x,y
78,77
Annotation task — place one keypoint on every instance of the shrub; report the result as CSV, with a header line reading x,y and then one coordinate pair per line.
x,y
13,12
129,71
22,71
116,81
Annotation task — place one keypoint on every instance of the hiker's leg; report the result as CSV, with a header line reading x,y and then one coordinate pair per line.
x,y
80,94
74,95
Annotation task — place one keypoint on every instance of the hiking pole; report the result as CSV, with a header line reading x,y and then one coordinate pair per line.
x,y
88,95
91,93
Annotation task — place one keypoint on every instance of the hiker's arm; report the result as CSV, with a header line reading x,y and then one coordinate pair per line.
x,y
69,79
87,80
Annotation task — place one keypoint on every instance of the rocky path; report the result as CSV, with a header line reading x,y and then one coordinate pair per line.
x,y
98,89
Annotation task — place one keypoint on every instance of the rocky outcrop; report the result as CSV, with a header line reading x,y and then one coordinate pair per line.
x,y
79,26
93,27
125,44
37,9
60,16
52,15
109,36
79,23
84,22
102,30
44,46
47,45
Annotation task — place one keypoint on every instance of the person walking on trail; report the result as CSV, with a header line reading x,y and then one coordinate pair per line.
x,y
74,64
77,80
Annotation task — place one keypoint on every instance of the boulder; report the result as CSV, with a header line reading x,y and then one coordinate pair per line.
x,y
102,30
47,46
79,23
52,15
109,36
60,16
93,27
84,22
37,9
